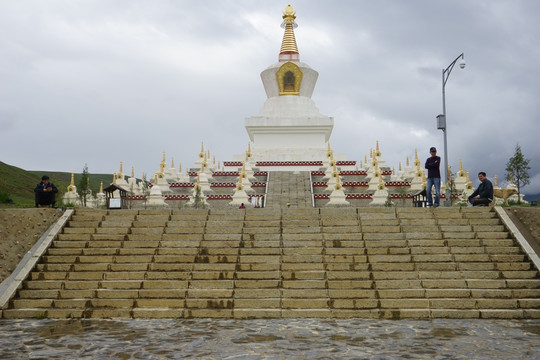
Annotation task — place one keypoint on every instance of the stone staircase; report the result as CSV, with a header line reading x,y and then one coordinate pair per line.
x,y
388,263
288,187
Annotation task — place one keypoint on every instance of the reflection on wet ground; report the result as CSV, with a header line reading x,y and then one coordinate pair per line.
x,y
269,339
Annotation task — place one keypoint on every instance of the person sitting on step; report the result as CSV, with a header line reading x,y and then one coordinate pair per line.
x,y
483,195
45,192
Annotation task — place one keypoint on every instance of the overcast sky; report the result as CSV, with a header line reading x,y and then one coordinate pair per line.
x,y
101,81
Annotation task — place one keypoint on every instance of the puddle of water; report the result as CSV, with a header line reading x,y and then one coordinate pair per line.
x,y
269,339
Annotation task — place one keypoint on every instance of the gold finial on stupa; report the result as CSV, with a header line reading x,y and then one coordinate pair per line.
x,y
172,163
400,166
143,176
460,165
377,151
162,164
179,168
393,170
365,159
248,152
495,182
371,153
288,45
155,178
201,154
407,163
71,187
468,176
121,172
132,172
114,178
361,164
101,187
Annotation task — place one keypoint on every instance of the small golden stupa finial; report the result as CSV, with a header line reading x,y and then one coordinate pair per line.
x,y
329,146
101,187
407,163
495,182
132,172
468,176
400,166
288,45
179,168
361,164
121,169
172,163
460,165
72,179
114,178
143,176
393,170
155,178
162,164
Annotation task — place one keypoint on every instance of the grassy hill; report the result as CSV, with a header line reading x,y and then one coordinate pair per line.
x,y
19,184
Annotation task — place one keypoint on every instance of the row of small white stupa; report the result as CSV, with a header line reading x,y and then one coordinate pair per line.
x,y
377,173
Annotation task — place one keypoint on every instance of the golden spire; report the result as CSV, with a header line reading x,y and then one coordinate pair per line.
x,y
172,162
219,164
400,166
393,170
329,146
361,165
214,160
179,168
365,159
377,152
121,172
248,152
460,165
407,161
143,176
162,165
132,172
288,45
114,178
495,182
468,176
201,154
101,187
72,179
155,178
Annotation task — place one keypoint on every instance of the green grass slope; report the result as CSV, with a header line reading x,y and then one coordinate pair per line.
x,y
19,184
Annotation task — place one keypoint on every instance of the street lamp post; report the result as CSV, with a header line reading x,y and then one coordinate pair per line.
x,y
441,122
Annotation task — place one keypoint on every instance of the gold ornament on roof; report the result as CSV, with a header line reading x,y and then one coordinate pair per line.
x,y
495,182
114,178
201,154
132,172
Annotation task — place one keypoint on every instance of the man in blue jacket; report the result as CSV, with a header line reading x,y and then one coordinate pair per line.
x,y
483,195
434,177
45,192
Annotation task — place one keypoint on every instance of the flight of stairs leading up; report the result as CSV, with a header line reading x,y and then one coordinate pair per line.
x,y
289,187
389,263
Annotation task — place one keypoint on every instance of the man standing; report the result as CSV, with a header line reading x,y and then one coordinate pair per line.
x,y
45,192
484,194
434,177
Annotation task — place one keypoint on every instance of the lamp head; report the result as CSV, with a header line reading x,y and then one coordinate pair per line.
x,y
462,64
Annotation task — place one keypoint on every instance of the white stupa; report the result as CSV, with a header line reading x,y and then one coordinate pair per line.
x,y
289,127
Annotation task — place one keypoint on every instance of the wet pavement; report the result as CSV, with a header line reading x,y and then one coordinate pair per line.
x,y
269,339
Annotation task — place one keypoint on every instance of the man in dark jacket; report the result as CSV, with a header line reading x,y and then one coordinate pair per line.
x,y
483,195
45,192
434,177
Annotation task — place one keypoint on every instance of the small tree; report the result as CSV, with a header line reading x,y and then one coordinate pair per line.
x,y
517,170
84,185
